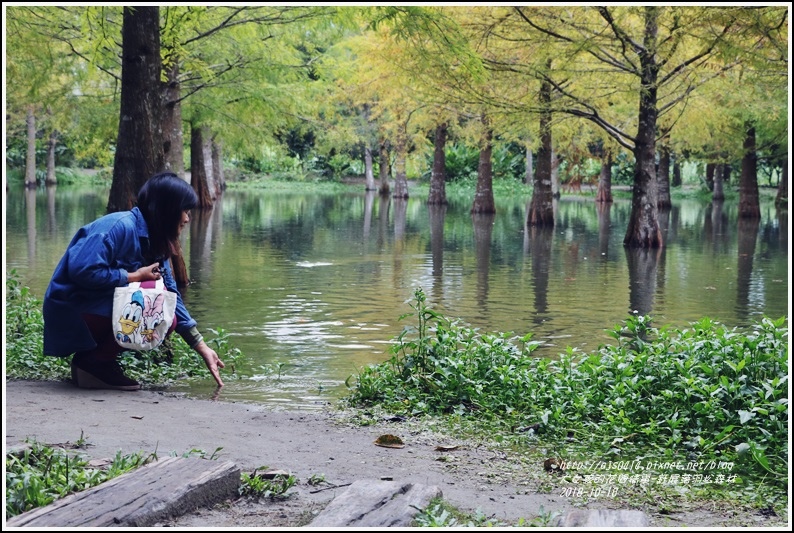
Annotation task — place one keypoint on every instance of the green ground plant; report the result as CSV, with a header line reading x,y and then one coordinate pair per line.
x,y
256,485
41,474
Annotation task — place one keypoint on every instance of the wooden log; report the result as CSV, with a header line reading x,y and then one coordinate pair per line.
x,y
163,489
603,518
372,503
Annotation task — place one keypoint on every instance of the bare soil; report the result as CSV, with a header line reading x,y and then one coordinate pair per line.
x,y
326,452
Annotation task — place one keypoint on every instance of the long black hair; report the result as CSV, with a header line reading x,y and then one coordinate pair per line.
x,y
162,199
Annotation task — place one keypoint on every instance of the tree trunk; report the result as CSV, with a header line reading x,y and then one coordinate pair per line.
x,y
400,179
209,168
529,177
139,148
369,174
217,165
483,194
198,167
663,178
643,228
30,156
719,192
749,206
438,188
51,145
781,199
385,166
555,173
604,193
541,207
676,171
173,139
710,168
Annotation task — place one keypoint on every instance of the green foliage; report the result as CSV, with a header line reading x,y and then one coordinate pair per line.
x,y
508,162
461,162
623,169
704,393
258,486
172,361
316,479
442,514
42,474
25,336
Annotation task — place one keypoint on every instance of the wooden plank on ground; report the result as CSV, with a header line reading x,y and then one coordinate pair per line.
x,y
163,489
374,503
604,518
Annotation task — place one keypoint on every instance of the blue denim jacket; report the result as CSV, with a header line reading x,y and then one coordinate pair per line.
x,y
95,263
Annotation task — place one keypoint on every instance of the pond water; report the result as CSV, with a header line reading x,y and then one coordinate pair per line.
x,y
311,286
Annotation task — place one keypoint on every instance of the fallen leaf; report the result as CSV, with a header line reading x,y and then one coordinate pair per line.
x,y
137,417
553,465
389,441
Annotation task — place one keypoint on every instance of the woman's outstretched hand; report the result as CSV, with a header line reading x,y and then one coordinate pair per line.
x,y
145,273
212,361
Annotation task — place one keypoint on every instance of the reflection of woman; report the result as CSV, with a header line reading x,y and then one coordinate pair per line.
x,y
111,252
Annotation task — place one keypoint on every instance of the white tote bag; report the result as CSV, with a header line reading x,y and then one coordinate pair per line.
x,y
142,314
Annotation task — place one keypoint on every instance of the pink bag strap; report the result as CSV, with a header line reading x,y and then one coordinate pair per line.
x,y
149,284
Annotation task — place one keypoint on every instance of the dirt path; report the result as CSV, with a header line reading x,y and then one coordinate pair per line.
x,y
316,445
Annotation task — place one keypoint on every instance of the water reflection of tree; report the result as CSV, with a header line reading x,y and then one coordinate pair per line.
x,y
369,202
747,235
537,243
483,229
603,209
383,218
205,228
30,211
642,264
52,223
664,227
782,218
400,210
715,226
436,214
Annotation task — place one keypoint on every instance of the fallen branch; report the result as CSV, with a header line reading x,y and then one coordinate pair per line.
x,y
331,487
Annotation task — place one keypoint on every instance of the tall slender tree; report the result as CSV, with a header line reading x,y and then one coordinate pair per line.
x,y
139,149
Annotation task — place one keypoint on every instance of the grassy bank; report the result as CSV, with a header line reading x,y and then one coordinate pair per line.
x,y
701,410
